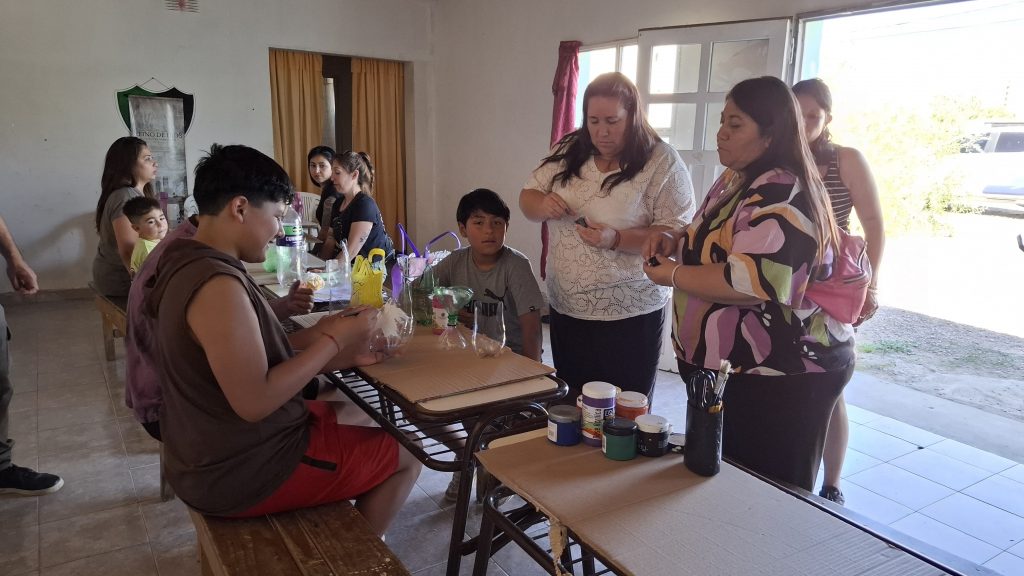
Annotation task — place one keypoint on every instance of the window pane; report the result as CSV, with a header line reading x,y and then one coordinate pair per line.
x,y
594,63
732,62
711,123
1010,142
675,68
674,123
629,54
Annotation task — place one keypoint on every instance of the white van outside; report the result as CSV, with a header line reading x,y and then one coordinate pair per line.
x,y
996,165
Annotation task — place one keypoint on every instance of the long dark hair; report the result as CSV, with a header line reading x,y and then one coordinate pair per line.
x,y
326,151
771,104
119,171
352,161
817,89
577,147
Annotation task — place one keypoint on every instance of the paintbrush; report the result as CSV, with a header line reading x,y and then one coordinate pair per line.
x,y
721,378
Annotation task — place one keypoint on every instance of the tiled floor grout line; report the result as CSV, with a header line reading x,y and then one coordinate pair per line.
x,y
961,491
919,510
124,447
135,490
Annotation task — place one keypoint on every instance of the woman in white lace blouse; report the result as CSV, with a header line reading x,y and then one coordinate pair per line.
x,y
602,190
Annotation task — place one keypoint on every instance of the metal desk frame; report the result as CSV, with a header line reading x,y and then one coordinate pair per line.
x,y
418,430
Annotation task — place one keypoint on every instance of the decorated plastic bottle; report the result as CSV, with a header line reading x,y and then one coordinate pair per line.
x,y
290,249
452,299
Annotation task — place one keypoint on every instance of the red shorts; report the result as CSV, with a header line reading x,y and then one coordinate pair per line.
x,y
341,463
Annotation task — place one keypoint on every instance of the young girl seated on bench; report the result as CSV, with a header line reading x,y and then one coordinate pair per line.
x,y
238,438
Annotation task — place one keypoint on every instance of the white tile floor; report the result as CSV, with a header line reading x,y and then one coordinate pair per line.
x,y
956,497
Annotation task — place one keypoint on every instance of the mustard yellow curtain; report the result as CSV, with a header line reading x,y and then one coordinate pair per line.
x,y
378,128
297,110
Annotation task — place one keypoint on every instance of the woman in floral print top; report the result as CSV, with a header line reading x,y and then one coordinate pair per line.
x,y
740,273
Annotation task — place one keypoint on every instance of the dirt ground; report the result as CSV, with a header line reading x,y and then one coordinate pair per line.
x,y
952,316
958,362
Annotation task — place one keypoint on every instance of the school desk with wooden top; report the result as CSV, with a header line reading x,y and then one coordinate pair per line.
x,y
416,397
654,517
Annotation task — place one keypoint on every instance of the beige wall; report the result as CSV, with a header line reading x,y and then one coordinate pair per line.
x,y
61,64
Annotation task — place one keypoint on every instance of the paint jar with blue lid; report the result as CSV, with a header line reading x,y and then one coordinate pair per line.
x,y
564,425
618,440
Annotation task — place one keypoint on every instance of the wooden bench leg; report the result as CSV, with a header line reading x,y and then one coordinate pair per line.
x,y
204,561
108,337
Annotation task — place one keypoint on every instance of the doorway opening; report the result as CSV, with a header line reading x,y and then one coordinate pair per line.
x,y
933,96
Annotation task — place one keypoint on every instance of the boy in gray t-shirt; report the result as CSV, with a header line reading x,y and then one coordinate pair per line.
x,y
495,272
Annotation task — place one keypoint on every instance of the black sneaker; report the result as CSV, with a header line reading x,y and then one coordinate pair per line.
x,y
832,493
28,482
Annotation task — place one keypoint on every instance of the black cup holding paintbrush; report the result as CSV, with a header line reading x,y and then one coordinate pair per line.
x,y
703,452
704,419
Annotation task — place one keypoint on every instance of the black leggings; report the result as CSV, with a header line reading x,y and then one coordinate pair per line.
x,y
776,425
621,352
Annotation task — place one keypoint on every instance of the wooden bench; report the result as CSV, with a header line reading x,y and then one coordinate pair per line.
x,y
114,313
329,539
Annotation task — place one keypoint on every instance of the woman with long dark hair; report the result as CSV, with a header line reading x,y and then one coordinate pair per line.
x,y
602,190
851,188
319,164
358,220
740,272
128,171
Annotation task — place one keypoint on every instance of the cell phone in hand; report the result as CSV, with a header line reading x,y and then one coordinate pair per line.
x,y
582,222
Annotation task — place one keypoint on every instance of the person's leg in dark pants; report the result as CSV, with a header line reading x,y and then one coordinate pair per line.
x,y
153,429
776,425
15,479
621,352
6,393
566,341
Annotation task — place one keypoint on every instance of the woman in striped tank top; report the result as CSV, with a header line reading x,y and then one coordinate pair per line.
x,y
851,188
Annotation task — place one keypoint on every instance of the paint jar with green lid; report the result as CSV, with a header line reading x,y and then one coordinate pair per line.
x,y
618,439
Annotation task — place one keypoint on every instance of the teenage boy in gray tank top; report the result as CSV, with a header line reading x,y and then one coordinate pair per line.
x,y
495,272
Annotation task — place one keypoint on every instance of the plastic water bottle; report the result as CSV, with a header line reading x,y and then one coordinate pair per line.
x,y
344,275
290,249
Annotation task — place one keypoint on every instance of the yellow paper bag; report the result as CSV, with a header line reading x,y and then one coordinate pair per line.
x,y
367,281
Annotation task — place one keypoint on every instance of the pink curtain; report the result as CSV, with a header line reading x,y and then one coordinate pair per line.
x,y
564,89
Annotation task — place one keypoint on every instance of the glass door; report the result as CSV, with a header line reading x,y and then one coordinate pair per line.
x,y
684,74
